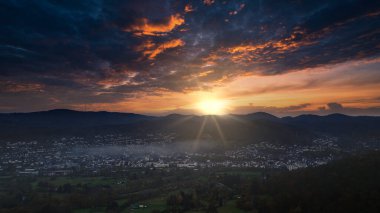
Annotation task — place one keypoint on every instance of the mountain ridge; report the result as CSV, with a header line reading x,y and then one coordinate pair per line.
x,y
252,127
262,114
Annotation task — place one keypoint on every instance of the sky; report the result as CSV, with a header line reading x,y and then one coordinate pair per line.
x,y
160,57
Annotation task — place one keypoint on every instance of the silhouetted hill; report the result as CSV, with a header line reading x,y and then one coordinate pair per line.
x,y
250,128
239,129
261,116
347,185
62,118
339,124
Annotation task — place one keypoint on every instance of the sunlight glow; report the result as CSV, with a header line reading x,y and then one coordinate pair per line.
x,y
212,107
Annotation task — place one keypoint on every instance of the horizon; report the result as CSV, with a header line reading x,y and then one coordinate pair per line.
x,y
199,114
191,57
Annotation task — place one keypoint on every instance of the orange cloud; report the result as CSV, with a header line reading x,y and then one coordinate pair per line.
x,y
189,8
286,44
16,87
151,50
146,45
115,78
208,2
263,52
205,73
144,27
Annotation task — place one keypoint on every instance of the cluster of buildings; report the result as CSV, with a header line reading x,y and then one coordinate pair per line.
x,y
65,156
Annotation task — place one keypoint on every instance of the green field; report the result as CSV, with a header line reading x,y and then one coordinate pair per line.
x,y
99,210
249,174
81,180
230,207
152,204
130,190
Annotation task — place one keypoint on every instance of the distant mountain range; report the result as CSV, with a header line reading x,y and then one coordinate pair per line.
x,y
249,128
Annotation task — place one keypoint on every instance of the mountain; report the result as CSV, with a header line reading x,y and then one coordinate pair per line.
x,y
57,122
260,116
241,129
339,125
62,118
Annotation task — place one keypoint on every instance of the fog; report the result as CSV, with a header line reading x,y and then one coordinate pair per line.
x,y
143,149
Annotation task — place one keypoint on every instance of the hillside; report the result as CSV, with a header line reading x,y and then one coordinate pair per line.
x,y
250,128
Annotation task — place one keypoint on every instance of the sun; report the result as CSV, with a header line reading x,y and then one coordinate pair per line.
x,y
212,107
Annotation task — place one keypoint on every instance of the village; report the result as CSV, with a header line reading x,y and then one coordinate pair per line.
x,y
116,153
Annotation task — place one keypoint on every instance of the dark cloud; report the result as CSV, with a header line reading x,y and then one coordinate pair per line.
x,y
297,107
300,109
340,108
94,45
278,111
334,107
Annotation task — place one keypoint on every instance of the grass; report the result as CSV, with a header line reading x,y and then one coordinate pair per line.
x,y
153,204
4,180
121,201
249,174
230,207
156,203
94,181
91,181
97,210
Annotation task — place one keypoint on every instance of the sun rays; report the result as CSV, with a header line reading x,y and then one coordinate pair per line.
x,y
210,120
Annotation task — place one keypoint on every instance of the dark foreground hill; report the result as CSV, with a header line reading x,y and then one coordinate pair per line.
x,y
248,128
348,185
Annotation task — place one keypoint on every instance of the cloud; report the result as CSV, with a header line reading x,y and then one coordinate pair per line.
x,y
264,46
208,2
18,87
296,107
279,111
247,55
145,27
188,8
334,106
339,108
237,10
295,110
151,50
121,78
97,44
